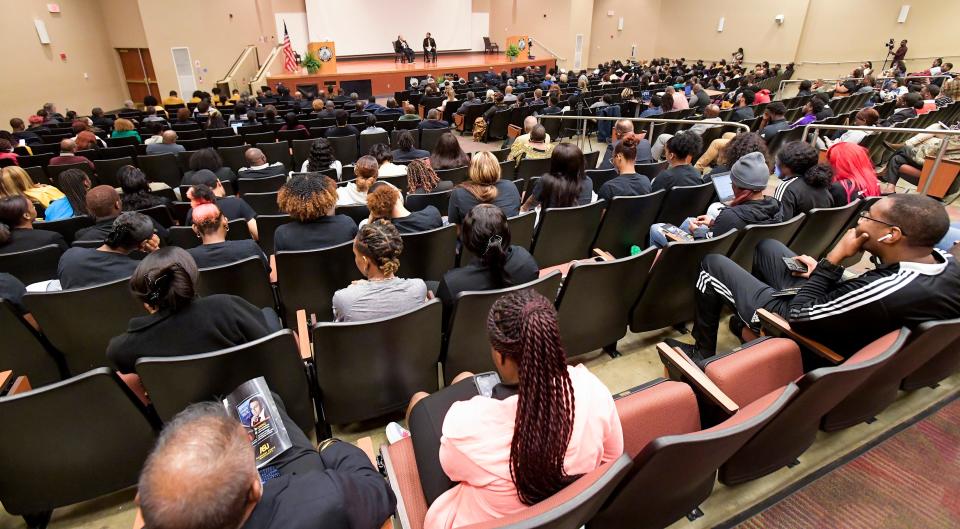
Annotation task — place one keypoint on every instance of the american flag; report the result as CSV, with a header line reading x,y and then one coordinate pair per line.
x,y
289,61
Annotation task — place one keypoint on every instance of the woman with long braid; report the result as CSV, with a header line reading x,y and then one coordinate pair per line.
x,y
542,427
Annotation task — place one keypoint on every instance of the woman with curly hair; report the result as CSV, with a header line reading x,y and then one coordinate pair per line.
x,y
376,252
543,426
739,146
311,201
136,190
421,178
806,184
385,202
356,192
210,225
321,158
83,267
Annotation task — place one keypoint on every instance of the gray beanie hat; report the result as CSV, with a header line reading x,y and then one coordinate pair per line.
x,y
750,172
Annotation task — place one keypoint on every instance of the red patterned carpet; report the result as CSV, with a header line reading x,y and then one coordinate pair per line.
x,y
910,480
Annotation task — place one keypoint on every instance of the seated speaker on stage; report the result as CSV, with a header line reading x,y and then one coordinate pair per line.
x,y
429,48
400,46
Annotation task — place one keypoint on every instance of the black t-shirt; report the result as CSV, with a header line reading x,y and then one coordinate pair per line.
x,y
796,196
276,169
225,174
625,185
83,267
586,192
428,218
232,208
206,324
227,252
12,290
681,175
462,201
23,239
338,132
100,230
408,156
321,233
519,268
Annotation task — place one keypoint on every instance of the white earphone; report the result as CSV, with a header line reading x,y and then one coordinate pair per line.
x,y
885,237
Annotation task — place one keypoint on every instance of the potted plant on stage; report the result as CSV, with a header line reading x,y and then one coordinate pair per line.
x,y
311,63
512,52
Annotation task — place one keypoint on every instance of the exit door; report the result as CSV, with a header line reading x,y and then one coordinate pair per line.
x,y
138,73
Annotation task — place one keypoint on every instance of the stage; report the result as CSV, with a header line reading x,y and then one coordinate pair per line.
x,y
387,76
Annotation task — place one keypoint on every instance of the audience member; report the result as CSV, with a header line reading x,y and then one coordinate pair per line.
x,y
384,156
536,147
433,121
156,132
74,183
744,111
853,174
322,158
292,122
680,151
371,126
311,200
908,159
773,120
907,106
172,99
622,128
68,155
448,154
17,215
15,181
123,128
208,159
406,150
82,267
805,184
259,167
137,190
167,145
22,134
385,202
421,178
484,186
209,190
409,113
518,143
211,227
100,120
566,184
355,192
342,129
711,114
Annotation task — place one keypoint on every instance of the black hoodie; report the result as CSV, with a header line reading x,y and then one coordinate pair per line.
x,y
763,211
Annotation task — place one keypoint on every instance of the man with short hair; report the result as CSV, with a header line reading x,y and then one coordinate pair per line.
x,y
103,204
329,110
433,121
429,48
773,120
528,124
508,95
535,147
68,154
409,113
744,111
372,105
21,133
168,144
553,107
913,284
929,94
469,101
173,99
654,107
258,166
907,106
342,128
202,473
153,114
299,103
620,129
391,109
51,112
100,120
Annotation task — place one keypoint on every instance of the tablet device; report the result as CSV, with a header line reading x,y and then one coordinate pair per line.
x,y
721,182
236,127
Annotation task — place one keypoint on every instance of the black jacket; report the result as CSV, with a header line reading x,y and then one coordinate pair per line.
x,y
429,42
764,211
520,267
899,116
796,196
274,169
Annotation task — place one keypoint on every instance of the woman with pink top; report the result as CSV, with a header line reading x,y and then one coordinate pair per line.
x,y
541,428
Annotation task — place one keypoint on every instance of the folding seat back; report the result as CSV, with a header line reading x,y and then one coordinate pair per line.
x,y
532,167
254,138
194,144
598,177
89,436
234,154
673,474
682,202
159,213
880,389
626,223
277,152
370,368
246,278
749,372
268,184
161,168
344,148
668,296
369,140
497,128
590,159
301,153
467,347
437,199
66,227
821,228
745,246
357,212
430,137
107,170
175,382
566,234
428,254
24,350
266,228
81,334
221,142
264,203
186,238
31,266
594,303
309,278
457,175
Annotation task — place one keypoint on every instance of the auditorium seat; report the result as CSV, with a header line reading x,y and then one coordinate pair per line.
x,y
566,234
430,137
292,135
457,175
54,171
507,170
161,168
529,168
820,228
598,177
344,148
66,227
501,154
650,170
369,140
309,278
571,508
232,140
107,170
683,202
626,223
25,351
159,213
277,152
194,144
267,184
175,382
467,347
263,203
931,373
266,226
186,238
234,156
745,245
364,371
594,303
590,159
668,297
253,138
675,462
246,278
419,201
428,254
65,455
118,142
301,152
31,266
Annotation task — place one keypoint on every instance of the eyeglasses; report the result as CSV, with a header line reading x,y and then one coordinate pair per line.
x,y
864,215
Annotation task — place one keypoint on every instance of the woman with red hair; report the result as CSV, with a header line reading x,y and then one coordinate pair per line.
x,y
853,174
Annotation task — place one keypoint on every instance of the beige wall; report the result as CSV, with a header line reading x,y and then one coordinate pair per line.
x,y
121,21
639,27
551,23
35,73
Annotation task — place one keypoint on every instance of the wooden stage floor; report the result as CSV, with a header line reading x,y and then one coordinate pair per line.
x,y
388,76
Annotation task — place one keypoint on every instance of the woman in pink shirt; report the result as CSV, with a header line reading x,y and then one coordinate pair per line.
x,y
543,426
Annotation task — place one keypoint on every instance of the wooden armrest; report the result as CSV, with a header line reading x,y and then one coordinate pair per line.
x,y
696,377
20,385
303,335
604,255
6,377
780,327
366,444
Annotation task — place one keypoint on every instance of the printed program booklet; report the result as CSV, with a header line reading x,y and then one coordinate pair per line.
x,y
253,405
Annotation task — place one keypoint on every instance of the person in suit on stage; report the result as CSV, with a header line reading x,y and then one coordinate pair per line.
x,y
401,46
429,48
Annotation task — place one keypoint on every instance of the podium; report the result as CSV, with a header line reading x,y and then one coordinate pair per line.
x,y
326,52
520,41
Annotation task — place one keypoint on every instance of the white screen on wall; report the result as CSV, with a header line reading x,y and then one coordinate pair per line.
x,y
361,27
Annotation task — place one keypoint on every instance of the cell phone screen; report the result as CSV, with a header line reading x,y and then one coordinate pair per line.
x,y
485,383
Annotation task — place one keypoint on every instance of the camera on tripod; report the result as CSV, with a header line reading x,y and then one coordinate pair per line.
x,y
889,45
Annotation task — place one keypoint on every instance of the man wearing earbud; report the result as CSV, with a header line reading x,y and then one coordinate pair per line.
x,y
912,284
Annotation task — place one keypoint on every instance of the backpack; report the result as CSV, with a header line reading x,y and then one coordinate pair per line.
x,y
479,129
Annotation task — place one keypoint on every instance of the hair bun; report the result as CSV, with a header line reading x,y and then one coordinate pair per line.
x,y
630,139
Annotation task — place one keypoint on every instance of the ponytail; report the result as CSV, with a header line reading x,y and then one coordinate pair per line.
x,y
485,232
523,326
129,230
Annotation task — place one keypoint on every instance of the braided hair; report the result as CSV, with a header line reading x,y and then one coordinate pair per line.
x,y
380,241
523,326
420,176
129,230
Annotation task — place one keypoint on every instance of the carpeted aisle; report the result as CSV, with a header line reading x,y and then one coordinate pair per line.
x,y
910,480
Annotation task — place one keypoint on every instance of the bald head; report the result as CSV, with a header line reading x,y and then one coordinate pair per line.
x,y
528,123
103,202
255,156
622,128
169,136
711,111
330,105
68,145
201,472
433,114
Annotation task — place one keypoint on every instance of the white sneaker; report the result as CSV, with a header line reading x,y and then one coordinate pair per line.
x,y
395,432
